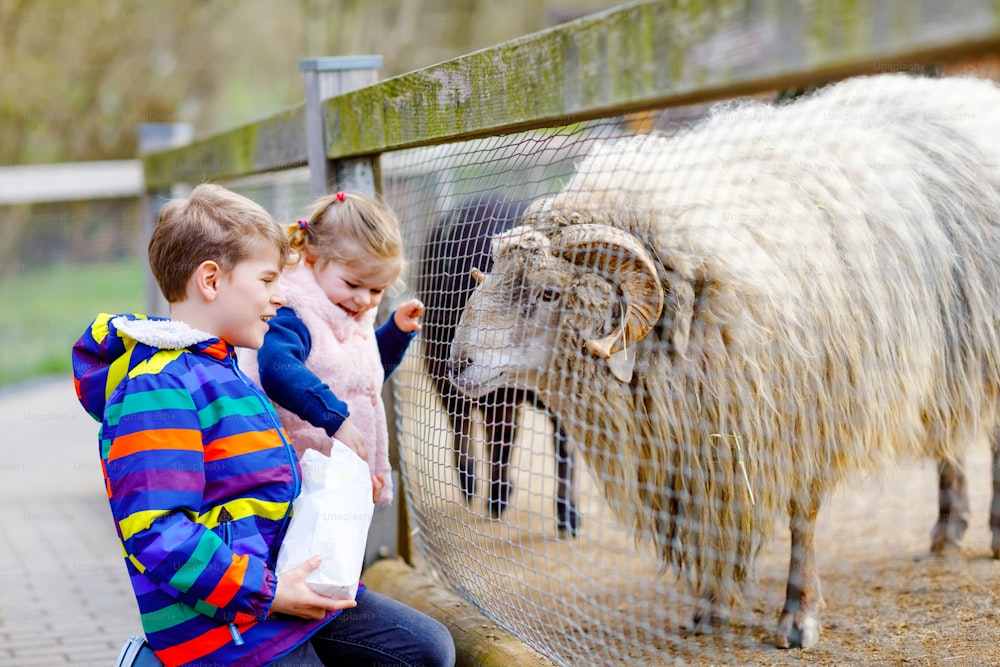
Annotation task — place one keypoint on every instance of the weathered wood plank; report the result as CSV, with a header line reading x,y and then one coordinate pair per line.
x,y
478,640
650,54
276,142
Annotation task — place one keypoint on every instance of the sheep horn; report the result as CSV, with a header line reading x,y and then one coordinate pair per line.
x,y
616,251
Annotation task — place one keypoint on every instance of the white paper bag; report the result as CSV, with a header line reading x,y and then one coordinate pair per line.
x,y
330,518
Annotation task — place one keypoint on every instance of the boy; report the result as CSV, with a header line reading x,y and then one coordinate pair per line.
x,y
199,474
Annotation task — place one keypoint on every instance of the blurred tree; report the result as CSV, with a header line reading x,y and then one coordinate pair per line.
x,y
76,77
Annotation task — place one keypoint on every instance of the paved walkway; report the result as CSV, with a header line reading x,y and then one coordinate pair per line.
x,y
64,593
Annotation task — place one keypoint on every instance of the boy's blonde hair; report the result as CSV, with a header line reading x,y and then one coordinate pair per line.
x,y
212,224
368,221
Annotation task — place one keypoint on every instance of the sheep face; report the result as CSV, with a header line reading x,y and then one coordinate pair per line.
x,y
508,333
554,294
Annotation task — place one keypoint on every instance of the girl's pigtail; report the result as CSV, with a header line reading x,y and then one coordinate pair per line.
x,y
298,239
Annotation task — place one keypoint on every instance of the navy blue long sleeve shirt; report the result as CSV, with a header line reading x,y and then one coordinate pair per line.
x,y
289,383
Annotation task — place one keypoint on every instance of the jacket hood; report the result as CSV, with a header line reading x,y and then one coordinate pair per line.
x,y
115,344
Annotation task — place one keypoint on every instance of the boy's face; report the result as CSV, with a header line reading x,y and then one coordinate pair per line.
x,y
248,297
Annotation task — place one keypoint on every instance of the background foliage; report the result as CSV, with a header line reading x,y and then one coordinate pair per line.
x,y
76,77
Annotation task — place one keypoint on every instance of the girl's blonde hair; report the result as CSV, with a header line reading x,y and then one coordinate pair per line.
x,y
368,221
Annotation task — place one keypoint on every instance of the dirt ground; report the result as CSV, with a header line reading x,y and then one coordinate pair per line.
x,y
888,602
600,599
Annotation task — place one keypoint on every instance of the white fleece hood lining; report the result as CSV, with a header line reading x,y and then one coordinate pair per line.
x,y
163,334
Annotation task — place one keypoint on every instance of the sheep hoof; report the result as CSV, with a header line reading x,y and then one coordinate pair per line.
x,y
945,549
797,630
946,538
996,545
708,616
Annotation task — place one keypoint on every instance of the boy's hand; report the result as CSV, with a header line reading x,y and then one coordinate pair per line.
x,y
377,485
349,434
407,314
293,596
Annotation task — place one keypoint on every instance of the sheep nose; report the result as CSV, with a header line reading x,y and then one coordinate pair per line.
x,y
457,366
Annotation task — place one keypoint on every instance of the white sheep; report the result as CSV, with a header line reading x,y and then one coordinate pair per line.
x,y
731,321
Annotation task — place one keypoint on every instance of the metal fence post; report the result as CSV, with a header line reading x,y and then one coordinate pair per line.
x,y
325,78
157,137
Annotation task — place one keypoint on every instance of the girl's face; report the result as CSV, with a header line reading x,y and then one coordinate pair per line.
x,y
355,286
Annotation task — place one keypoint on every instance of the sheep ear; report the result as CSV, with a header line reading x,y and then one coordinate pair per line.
x,y
622,363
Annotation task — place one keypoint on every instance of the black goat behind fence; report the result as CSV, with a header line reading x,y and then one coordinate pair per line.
x,y
459,243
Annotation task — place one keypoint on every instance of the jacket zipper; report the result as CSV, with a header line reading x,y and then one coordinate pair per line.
x,y
227,536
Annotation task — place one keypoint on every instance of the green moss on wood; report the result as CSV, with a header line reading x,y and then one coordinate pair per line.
x,y
275,142
641,55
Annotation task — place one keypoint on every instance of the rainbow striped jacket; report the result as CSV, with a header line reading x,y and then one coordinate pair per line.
x,y
200,478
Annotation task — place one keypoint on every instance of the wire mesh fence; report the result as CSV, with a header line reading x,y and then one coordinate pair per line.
x,y
58,261
38,236
495,494
284,194
604,434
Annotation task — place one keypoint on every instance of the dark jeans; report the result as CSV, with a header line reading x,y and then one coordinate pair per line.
x,y
378,632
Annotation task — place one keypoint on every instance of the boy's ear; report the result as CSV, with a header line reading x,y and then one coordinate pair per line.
x,y
206,278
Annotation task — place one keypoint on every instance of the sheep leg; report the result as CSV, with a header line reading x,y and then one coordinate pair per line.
x,y
709,612
953,508
459,412
995,504
502,419
567,517
798,624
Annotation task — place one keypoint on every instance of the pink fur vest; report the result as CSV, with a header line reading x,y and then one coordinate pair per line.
x,y
345,356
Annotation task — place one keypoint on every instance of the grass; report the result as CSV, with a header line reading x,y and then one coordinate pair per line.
x,y
46,310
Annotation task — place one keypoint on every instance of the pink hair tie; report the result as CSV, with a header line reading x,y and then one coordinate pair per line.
x,y
303,225
341,196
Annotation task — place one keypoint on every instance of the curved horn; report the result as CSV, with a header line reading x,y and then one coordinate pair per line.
x,y
616,251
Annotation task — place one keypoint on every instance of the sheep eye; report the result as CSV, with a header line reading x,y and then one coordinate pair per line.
x,y
544,295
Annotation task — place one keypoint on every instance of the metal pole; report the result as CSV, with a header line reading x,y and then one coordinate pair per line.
x,y
325,78
155,137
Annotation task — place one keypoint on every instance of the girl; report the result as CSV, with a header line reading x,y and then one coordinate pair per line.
x,y
323,363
